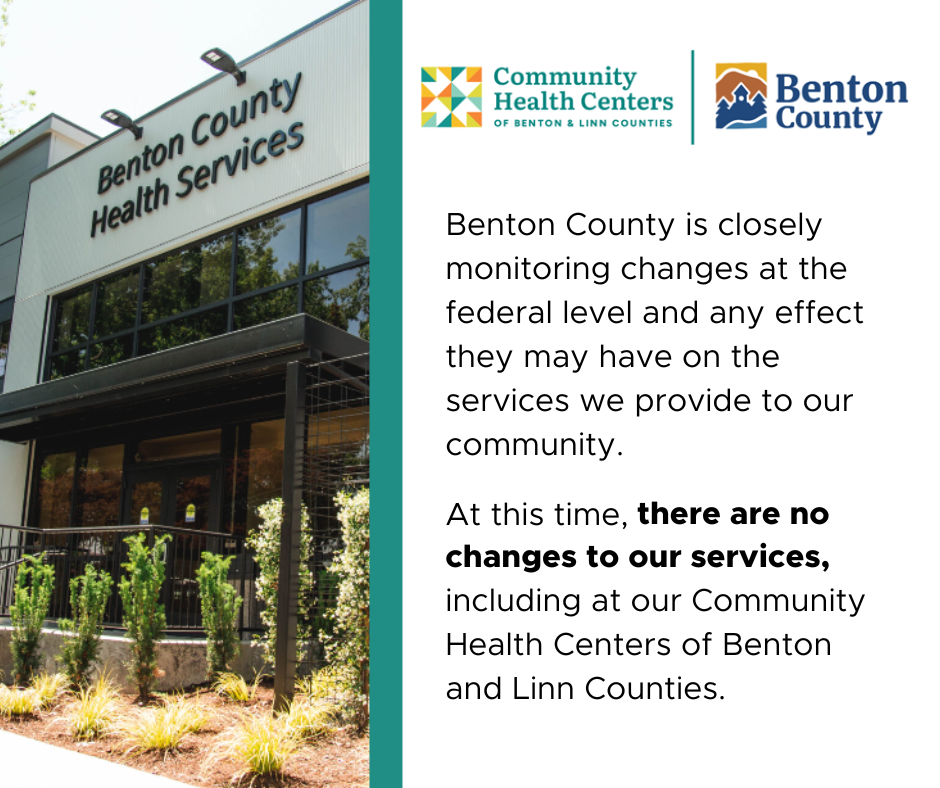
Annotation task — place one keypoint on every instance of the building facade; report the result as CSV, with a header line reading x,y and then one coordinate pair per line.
x,y
187,334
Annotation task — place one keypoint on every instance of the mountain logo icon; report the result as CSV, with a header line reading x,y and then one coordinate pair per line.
x,y
741,95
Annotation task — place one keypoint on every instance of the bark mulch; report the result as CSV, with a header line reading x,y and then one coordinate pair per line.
x,y
339,762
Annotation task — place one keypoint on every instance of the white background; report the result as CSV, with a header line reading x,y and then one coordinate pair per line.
x,y
865,715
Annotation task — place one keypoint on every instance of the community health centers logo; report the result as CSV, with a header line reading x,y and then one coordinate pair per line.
x,y
452,97
741,95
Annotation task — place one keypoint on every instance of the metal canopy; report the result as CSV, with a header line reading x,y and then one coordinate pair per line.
x,y
214,372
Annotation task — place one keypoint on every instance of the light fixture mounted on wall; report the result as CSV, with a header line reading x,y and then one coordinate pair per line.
x,y
117,118
223,61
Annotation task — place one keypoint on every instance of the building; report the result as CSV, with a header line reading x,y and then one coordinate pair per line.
x,y
188,328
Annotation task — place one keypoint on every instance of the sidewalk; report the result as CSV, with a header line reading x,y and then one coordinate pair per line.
x,y
28,762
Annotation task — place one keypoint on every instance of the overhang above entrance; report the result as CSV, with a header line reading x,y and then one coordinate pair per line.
x,y
210,374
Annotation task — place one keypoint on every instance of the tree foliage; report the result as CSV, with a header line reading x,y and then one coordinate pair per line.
x,y
265,540
220,606
144,615
348,649
8,112
89,594
31,597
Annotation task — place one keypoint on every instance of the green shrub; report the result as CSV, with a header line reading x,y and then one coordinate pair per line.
x,y
82,633
31,597
220,606
348,651
144,615
265,540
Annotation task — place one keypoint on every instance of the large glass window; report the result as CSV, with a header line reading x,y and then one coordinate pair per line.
x,y
56,477
254,473
116,309
258,273
201,325
71,320
338,229
100,487
197,277
179,447
341,299
269,252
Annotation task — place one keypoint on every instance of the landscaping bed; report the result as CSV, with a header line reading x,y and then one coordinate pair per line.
x,y
338,760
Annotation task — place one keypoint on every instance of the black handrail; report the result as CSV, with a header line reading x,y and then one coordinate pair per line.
x,y
69,550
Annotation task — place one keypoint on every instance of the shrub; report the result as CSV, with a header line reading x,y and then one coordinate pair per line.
x,y
310,719
220,606
144,616
259,745
348,650
162,728
31,597
326,684
265,540
93,712
82,633
234,687
48,687
18,702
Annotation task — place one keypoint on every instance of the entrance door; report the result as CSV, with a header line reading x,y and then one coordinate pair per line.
x,y
181,496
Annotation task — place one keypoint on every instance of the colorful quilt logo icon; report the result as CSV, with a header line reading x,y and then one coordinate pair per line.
x,y
452,97
741,95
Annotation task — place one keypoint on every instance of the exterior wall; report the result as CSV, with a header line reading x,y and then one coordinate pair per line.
x,y
183,661
331,102
13,462
14,194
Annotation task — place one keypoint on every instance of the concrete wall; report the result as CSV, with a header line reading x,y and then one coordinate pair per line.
x,y
184,661
13,462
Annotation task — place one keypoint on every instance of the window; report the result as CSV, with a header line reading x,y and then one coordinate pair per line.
x,y
342,300
313,258
178,447
189,280
338,229
269,252
254,473
99,487
56,477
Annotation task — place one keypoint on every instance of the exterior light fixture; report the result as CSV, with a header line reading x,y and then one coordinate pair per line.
x,y
221,60
118,118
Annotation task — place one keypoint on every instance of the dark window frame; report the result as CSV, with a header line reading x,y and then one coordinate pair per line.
x,y
229,302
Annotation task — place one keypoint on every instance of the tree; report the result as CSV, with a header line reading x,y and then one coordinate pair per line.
x,y
144,615
759,105
220,606
347,648
9,112
31,597
82,633
723,111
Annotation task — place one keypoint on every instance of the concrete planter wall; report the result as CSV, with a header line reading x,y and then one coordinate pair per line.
x,y
184,661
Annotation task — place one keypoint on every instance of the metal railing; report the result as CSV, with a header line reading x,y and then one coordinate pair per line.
x,y
70,550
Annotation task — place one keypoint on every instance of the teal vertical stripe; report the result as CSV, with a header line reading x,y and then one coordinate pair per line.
x,y
693,96
385,166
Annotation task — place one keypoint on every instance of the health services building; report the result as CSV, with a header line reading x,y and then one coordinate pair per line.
x,y
184,318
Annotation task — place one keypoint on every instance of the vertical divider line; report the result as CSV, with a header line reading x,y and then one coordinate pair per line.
x,y
693,96
386,352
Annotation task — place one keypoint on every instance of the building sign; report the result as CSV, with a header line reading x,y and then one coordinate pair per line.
x,y
245,153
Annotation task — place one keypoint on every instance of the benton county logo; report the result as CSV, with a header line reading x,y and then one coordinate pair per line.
x,y
452,97
741,95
